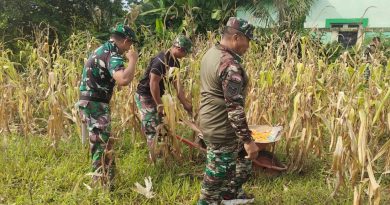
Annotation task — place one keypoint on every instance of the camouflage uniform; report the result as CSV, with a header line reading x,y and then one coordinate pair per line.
x,y
370,54
97,117
223,121
96,89
150,119
146,105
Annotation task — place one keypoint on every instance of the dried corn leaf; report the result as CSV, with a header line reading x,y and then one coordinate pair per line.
x,y
374,188
381,105
147,191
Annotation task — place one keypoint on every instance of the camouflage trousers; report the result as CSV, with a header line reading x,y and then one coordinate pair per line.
x,y
150,119
226,171
97,117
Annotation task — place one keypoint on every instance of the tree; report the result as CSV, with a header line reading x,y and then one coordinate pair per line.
x,y
190,16
199,16
291,14
65,16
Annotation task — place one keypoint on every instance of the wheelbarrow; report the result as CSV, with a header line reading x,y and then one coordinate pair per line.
x,y
263,135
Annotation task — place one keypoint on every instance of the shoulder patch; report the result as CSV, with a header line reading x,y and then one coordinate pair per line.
x,y
233,89
228,62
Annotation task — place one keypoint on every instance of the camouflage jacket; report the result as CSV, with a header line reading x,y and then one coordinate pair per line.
x,y
369,52
223,86
97,82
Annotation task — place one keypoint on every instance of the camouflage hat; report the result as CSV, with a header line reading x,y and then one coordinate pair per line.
x,y
241,25
124,31
183,42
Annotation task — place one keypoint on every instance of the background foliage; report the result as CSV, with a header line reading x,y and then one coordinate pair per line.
x,y
332,113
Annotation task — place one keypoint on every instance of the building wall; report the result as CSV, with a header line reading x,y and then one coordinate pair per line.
x,y
377,12
374,16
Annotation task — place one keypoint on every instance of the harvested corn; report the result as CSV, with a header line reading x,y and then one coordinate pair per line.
x,y
260,136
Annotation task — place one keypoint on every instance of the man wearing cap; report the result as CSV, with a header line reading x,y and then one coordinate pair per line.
x,y
105,67
151,88
222,116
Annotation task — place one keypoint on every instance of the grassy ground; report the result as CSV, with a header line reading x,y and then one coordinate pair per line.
x,y
35,173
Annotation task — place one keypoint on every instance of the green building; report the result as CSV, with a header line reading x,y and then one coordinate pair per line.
x,y
350,22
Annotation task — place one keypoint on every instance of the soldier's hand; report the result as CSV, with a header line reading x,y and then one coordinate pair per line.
x,y
132,55
188,107
160,110
252,150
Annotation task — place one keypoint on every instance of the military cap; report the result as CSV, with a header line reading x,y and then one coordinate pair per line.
x,y
183,42
241,25
124,31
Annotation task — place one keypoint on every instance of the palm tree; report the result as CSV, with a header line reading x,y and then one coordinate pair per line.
x,y
284,14
201,16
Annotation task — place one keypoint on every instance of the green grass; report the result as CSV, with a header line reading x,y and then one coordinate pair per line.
x,y
33,172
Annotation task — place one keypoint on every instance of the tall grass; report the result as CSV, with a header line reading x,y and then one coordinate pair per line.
x,y
325,106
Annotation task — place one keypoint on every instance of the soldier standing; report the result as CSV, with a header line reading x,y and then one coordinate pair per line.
x,y
105,67
151,88
370,54
222,116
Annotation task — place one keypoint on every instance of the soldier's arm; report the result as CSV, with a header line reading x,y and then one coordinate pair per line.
x,y
155,88
156,75
181,95
233,85
366,52
125,76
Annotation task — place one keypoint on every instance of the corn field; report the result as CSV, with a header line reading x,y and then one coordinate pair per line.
x,y
327,107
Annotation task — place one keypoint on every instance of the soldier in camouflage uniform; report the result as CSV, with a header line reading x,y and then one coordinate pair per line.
x,y
151,87
222,116
105,67
371,49
371,53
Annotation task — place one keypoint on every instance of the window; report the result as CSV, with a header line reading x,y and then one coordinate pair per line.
x,y
336,25
347,38
353,25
